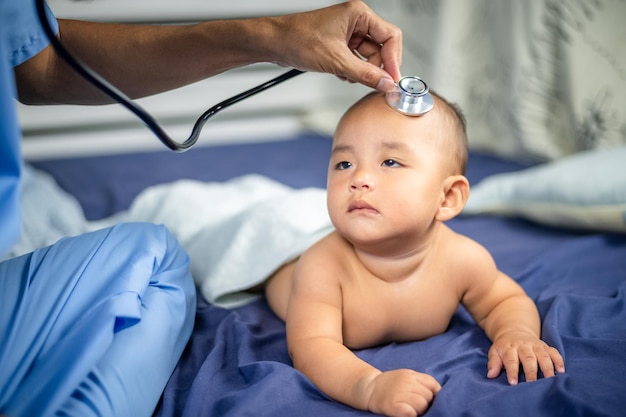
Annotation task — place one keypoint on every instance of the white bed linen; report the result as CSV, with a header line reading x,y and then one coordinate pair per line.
x,y
236,232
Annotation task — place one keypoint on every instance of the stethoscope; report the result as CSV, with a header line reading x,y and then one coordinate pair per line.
x,y
411,95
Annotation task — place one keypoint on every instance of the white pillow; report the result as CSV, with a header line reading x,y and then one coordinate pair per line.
x,y
584,191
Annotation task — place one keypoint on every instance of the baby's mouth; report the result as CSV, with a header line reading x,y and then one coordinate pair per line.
x,y
361,206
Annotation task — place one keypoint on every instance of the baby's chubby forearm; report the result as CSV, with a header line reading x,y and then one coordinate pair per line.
x,y
341,375
334,369
516,313
514,326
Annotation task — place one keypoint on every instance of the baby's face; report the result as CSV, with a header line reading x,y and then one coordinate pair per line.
x,y
386,173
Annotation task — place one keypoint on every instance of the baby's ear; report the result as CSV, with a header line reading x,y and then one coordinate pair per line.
x,y
455,194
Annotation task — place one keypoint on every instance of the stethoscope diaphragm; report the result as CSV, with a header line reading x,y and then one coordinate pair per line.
x,y
411,96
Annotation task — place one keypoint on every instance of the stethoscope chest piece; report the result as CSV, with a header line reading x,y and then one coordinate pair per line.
x,y
411,97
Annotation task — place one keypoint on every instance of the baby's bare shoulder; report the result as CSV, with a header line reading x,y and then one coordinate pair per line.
x,y
469,260
470,250
330,247
327,256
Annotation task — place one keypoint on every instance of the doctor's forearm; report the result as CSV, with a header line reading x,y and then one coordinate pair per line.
x,y
142,60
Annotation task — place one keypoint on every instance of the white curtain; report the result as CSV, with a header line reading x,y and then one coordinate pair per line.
x,y
537,79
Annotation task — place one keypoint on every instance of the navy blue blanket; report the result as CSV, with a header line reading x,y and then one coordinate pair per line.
x,y
236,362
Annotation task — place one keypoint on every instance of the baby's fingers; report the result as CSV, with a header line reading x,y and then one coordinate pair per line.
x,y
549,360
543,357
506,358
529,357
494,363
511,361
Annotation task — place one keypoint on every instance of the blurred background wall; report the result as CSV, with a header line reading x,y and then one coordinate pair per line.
x,y
537,79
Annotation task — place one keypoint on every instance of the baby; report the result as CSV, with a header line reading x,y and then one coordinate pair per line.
x,y
392,271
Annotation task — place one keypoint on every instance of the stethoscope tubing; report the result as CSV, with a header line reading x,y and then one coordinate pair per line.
x,y
114,93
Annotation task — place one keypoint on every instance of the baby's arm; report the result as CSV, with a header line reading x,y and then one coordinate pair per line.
x,y
314,336
511,320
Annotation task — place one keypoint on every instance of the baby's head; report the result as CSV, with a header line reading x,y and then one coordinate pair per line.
x,y
445,124
411,168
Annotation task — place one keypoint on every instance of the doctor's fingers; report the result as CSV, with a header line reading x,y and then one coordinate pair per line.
x,y
324,40
380,43
371,31
372,37
369,52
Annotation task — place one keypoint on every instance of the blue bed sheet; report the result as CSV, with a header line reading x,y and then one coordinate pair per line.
x,y
237,364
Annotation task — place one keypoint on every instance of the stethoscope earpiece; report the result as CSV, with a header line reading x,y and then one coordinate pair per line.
x,y
411,97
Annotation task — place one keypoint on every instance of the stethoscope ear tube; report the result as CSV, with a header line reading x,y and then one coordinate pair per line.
x,y
411,96
111,91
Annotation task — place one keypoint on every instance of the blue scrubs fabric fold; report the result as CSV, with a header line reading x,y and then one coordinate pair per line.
x,y
94,324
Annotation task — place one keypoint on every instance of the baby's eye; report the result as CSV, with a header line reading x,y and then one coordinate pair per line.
x,y
390,163
343,165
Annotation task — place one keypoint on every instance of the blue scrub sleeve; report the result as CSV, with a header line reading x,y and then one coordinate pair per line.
x,y
94,324
21,37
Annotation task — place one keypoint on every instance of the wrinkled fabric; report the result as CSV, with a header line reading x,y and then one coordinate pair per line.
x,y
238,363
94,324
258,225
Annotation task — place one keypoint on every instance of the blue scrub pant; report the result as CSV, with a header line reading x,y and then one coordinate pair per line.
x,y
94,324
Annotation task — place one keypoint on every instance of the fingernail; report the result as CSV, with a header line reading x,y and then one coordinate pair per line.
x,y
385,84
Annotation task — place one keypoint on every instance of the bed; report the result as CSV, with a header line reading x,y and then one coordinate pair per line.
x,y
236,362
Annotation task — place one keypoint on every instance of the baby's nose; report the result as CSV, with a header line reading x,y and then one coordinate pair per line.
x,y
362,181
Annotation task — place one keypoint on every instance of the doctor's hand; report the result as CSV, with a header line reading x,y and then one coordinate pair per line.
x,y
325,40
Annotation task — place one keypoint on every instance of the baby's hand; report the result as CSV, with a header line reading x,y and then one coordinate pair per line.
x,y
515,348
402,393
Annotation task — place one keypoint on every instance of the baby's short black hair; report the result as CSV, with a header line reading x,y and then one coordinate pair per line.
x,y
452,114
455,115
